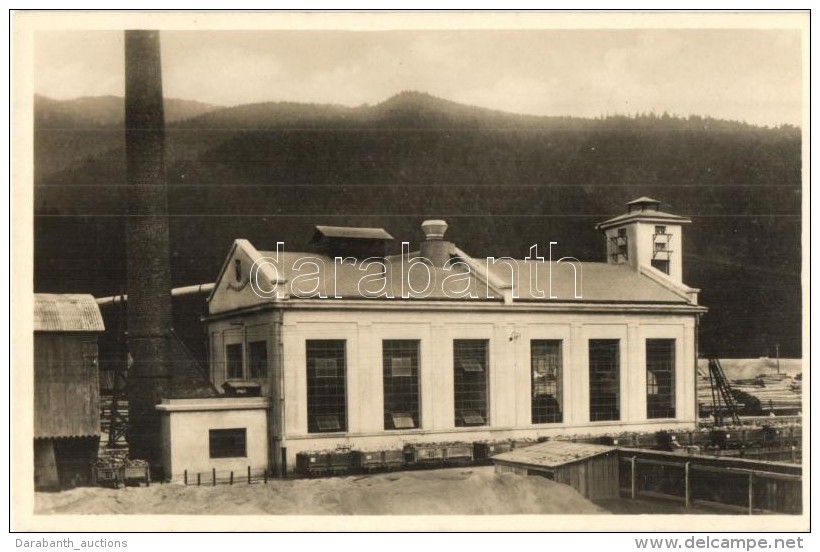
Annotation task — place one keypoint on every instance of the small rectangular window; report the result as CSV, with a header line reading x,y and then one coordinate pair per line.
x,y
660,230
233,356
661,264
228,443
660,246
470,359
621,232
258,359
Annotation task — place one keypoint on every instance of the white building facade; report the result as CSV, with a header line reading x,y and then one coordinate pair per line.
x,y
375,353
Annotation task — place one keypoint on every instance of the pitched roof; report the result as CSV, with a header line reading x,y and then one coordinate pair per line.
x,y
66,313
597,282
352,233
552,454
351,281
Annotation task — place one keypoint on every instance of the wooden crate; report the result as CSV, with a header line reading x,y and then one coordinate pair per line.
x,y
136,475
106,476
366,461
627,440
312,463
483,451
753,436
726,438
701,438
340,462
429,454
646,440
457,454
381,460
684,438
324,463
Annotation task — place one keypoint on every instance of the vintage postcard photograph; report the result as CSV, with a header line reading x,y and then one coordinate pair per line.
x,y
441,270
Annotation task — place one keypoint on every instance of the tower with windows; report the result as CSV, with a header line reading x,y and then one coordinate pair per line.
x,y
646,236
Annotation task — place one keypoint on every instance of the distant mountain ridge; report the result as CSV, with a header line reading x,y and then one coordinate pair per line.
x,y
105,111
76,129
271,171
416,109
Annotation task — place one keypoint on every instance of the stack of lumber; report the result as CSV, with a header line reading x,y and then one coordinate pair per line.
x,y
775,392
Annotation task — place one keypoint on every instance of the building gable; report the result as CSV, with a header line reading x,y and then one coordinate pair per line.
x,y
234,289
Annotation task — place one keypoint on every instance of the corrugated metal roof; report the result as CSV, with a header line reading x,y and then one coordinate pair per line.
x,y
552,454
353,233
66,313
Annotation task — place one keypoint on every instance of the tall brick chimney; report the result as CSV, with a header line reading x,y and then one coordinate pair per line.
x,y
149,270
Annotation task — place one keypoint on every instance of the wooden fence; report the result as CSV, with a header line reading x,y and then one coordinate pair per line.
x,y
213,477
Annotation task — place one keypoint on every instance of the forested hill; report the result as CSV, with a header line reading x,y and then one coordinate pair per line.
x,y
270,172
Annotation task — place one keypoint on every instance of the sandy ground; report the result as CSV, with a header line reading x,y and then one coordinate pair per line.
x,y
434,492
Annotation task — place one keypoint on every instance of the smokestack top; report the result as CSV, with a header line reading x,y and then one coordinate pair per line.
x,y
434,229
145,109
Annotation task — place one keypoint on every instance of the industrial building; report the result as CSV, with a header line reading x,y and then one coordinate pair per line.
x,y
347,347
66,389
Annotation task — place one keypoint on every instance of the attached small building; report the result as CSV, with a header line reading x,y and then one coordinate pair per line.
x,y
433,345
66,389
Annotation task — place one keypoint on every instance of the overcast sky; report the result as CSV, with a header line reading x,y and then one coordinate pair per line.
x,y
747,75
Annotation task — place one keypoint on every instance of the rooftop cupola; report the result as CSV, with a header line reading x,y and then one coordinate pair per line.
x,y
646,236
643,204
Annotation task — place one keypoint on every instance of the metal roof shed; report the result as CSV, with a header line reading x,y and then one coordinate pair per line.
x,y
592,470
66,388
66,375
66,313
